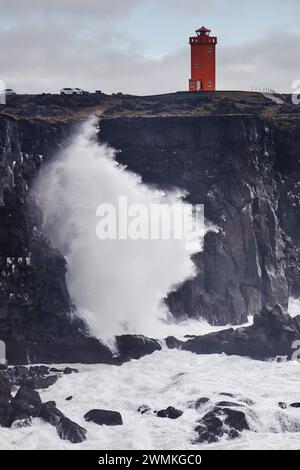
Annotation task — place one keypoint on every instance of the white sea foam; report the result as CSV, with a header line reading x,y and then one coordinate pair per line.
x,y
294,307
170,377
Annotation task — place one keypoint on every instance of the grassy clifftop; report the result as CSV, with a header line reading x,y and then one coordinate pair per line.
x,y
68,108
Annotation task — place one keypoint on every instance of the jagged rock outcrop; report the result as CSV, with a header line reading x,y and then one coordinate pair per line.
x,y
272,334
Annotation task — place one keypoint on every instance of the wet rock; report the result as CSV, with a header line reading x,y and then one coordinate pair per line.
x,y
27,401
66,429
170,412
39,383
272,334
205,436
295,405
69,398
173,343
144,409
210,428
6,409
104,417
70,431
69,370
219,422
282,405
233,434
50,413
135,347
51,403
39,370
5,387
21,371
235,419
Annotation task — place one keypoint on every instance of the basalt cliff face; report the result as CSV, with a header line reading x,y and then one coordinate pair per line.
x,y
227,164
36,319
238,154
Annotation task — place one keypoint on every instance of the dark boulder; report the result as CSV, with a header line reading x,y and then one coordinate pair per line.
x,y
50,413
218,422
69,370
21,371
205,436
66,429
104,417
69,398
282,405
39,383
6,411
135,347
173,343
70,431
170,412
209,429
235,419
39,370
295,405
5,386
27,401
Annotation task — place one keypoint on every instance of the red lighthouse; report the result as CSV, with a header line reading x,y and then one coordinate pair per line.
x,y
203,61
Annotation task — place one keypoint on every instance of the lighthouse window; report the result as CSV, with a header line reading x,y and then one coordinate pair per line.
x,y
197,65
209,49
209,83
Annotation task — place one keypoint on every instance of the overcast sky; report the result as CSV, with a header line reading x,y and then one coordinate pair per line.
x,y
141,46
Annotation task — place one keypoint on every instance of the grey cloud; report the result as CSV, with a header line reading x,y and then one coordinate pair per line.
x,y
48,56
96,9
270,62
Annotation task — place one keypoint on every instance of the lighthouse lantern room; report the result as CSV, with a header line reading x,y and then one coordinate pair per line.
x,y
203,61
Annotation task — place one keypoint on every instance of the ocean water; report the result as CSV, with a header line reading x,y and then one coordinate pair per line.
x,y
170,378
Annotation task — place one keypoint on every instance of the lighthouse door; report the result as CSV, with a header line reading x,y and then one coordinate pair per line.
x,y
199,85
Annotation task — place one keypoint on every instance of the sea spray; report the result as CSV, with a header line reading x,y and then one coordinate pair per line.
x,y
118,286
